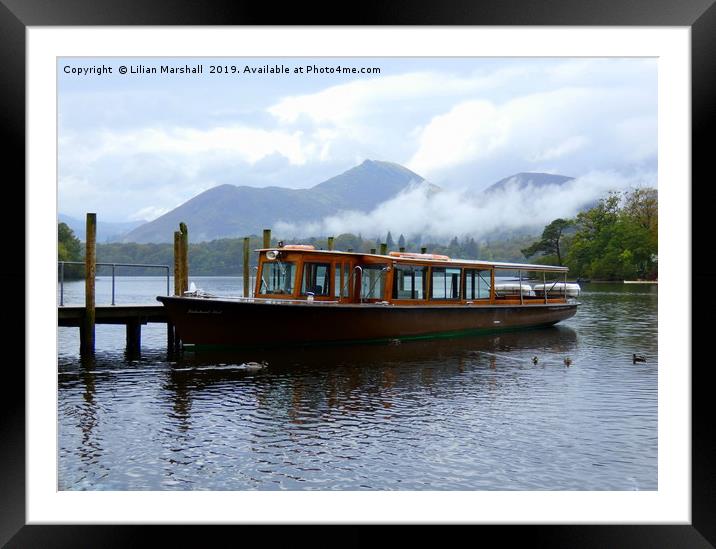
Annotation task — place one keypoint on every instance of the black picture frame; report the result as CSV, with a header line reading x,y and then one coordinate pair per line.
x,y
17,15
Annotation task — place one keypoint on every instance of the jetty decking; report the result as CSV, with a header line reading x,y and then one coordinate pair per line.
x,y
73,315
132,316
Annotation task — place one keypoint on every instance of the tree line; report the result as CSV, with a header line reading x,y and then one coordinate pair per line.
x,y
615,240
224,257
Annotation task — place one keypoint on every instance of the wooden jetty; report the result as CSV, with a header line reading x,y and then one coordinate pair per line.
x,y
134,316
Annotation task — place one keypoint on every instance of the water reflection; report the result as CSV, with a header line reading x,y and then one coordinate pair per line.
x,y
357,378
434,352
91,448
473,413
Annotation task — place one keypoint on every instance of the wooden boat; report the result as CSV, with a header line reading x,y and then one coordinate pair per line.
x,y
308,296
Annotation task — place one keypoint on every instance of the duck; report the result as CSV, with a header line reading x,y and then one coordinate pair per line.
x,y
567,361
534,360
254,366
638,358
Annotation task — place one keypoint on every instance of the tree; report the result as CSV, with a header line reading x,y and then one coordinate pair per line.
x,y
401,241
389,241
453,249
472,249
551,240
617,239
69,248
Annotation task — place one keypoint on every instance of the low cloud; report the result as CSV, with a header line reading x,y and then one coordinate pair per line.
x,y
459,213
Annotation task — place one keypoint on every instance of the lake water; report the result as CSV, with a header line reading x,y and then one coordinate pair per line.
x,y
470,413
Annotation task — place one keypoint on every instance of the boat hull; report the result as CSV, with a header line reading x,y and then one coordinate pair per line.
x,y
218,322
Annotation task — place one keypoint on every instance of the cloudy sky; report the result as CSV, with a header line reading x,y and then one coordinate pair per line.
x,y
133,146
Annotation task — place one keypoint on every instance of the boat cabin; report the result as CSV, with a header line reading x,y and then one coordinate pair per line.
x,y
302,273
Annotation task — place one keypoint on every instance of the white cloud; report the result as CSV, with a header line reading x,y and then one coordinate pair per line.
x,y
522,133
344,104
471,130
568,146
249,144
457,213
454,121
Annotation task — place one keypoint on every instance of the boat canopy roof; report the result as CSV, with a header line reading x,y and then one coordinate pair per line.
x,y
421,258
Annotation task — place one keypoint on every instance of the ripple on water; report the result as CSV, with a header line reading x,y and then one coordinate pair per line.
x,y
462,414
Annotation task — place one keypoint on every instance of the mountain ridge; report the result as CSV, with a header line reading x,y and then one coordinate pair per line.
x,y
230,210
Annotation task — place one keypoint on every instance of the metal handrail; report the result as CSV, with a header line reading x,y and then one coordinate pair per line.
x,y
113,265
261,299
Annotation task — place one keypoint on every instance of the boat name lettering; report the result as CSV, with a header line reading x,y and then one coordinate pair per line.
x,y
200,312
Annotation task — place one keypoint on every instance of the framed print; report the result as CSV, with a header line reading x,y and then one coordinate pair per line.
x,y
132,116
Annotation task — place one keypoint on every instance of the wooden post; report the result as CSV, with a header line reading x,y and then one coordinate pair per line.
x,y
330,243
383,248
134,337
246,266
267,238
423,250
177,263
184,257
170,338
87,333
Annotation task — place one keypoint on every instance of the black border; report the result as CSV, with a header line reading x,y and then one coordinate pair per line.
x,y
16,15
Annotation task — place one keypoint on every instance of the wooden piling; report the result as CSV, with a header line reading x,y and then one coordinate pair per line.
x,y
177,263
170,338
184,257
87,331
134,337
246,266
267,238
383,248
330,243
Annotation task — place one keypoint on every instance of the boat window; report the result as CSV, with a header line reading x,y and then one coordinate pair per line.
x,y
342,280
316,279
373,281
277,277
477,283
409,282
347,285
445,283
337,280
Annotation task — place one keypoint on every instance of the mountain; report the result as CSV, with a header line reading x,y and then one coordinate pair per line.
x,y
107,231
521,181
232,211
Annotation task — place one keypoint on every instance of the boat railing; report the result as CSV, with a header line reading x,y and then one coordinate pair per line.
x,y
372,286
200,294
